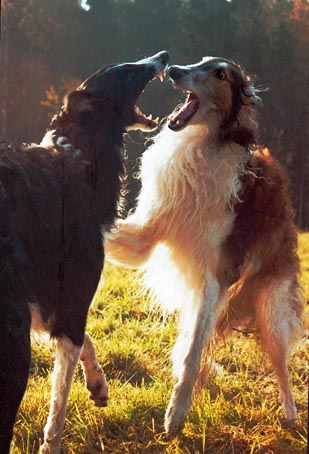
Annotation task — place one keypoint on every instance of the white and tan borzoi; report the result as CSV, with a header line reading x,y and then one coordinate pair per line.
x,y
213,229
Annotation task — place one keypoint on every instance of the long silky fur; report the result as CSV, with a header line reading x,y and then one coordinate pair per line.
x,y
181,177
213,232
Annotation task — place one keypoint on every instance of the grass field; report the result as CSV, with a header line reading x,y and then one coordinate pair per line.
x,y
238,413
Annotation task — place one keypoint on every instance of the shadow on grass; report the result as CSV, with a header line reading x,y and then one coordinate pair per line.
x,y
127,369
143,433
40,366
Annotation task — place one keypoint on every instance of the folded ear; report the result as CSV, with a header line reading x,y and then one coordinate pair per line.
x,y
78,101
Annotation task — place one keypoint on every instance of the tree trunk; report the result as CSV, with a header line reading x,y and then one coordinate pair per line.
x,y
4,60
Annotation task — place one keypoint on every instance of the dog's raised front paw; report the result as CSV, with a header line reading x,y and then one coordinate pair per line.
x,y
98,389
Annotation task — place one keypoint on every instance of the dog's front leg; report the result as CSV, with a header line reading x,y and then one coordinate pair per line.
x,y
67,355
131,243
206,312
93,373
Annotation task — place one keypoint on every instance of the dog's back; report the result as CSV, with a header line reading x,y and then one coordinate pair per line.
x,y
262,247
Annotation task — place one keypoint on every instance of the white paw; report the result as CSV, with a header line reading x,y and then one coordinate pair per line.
x,y
176,413
49,448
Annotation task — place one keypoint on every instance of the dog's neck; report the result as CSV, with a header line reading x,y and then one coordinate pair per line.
x,y
92,149
202,130
242,131
84,139
58,142
88,146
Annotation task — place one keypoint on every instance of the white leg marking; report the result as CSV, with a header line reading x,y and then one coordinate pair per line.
x,y
203,325
93,373
280,327
67,355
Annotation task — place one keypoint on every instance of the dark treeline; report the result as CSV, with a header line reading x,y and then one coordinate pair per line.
x,y
49,46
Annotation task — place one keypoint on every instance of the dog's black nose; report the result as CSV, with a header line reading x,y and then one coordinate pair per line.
x,y
175,72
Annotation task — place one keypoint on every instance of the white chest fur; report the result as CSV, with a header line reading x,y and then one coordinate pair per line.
x,y
188,184
189,180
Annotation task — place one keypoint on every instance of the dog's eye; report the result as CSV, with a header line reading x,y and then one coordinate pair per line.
x,y
220,74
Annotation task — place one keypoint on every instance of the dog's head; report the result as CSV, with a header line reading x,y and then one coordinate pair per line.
x,y
213,85
112,92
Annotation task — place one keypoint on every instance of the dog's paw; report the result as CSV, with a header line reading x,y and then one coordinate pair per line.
x,y
176,414
98,389
49,448
174,421
100,399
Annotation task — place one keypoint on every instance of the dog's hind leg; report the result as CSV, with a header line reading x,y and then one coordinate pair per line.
x,y
67,355
14,363
197,325
94,375
279,321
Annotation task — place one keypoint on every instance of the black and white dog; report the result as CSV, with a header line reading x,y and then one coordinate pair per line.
x,y
55,201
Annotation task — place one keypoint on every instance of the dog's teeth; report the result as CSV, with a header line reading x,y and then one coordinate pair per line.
x,y
149,117
177,122
161,77
156,119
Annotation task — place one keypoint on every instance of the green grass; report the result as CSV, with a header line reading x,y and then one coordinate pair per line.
x,y
238,413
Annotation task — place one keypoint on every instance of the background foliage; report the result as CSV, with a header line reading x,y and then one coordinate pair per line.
x,y
47,47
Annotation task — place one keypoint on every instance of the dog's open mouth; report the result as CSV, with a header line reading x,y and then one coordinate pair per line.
x,y
179,119
143,122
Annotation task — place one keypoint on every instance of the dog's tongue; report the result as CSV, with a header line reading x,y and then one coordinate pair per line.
x,y
187,111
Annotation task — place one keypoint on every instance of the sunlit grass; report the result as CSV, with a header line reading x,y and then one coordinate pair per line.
x,y
238,413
